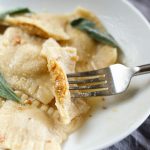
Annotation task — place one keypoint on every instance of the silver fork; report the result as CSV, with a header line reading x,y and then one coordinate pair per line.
x,y
108,81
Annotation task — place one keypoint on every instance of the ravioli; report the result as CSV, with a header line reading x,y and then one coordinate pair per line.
x,y
86,46
44,25
103,52
23,67
28,128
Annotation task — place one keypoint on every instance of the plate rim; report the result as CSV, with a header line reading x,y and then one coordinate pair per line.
x,y
147,113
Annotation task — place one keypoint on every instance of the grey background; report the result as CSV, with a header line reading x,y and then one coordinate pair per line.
x,y
143,6
139,139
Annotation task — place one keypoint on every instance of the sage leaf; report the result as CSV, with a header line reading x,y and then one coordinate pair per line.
x,y
16,11
6,92
90,28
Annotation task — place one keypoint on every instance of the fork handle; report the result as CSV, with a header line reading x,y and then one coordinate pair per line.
x,y
144,69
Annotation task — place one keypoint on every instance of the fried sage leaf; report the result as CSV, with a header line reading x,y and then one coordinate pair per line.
x,y
16,11
6,92
90,28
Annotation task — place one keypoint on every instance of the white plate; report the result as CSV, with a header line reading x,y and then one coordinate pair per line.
x,y
125,112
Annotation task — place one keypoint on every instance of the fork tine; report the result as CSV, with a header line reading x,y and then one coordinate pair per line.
x,y
87,73
91,94
98,86
83,81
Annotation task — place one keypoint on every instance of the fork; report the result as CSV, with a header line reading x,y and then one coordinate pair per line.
x,y
108,81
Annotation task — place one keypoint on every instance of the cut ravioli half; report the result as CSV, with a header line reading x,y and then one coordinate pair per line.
x,y
42,24
61,60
